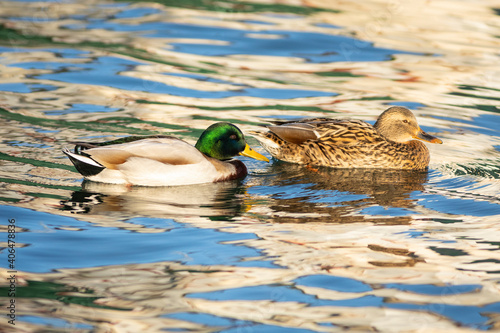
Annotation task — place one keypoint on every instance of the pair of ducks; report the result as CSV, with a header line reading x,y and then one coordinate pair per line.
x,y
165,160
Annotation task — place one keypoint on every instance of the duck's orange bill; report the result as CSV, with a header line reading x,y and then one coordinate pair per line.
x,y
249,152
421,135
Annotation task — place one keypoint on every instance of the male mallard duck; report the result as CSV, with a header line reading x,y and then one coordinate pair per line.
x,y
165,160
352,143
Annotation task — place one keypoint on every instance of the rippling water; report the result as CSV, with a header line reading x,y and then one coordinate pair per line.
x,y
287,249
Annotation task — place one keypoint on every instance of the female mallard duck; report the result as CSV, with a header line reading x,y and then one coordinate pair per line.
x,y
352,143
165,160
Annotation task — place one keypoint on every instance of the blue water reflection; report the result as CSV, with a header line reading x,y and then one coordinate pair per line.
x,y
230,324
332,282
261,328
204,78
26,87
311,46
82,108
409,105
206,319
470,316
54,322
429,289
16,143
487,124
105,71
386,211
257,22
281,293
459,206
136,12
46,234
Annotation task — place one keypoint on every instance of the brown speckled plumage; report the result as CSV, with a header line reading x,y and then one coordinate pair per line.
x,y
352,143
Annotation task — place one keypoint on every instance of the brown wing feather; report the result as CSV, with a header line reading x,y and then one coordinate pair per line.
x,y
295,132
348,132
336,132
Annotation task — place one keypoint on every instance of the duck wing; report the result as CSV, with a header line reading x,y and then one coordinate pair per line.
x,y
295,132
79,145
166,150
336,132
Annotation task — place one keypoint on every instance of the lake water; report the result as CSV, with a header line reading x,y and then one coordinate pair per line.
x,y
288,248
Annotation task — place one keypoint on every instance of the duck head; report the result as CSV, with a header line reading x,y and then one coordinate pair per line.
x,y
400,125
223,141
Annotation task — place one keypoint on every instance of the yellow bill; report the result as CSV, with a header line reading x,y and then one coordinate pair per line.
x,y
249,152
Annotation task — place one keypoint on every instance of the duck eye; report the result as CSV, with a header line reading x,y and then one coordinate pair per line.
x,y
233,137
405,121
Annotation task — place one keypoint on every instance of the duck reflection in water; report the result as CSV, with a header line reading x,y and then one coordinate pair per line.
x,y
293,194
209,199
301,194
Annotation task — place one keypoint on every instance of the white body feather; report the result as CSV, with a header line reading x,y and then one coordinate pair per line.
x,y
154,162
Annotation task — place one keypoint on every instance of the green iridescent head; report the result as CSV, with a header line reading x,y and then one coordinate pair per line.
x,y
223,141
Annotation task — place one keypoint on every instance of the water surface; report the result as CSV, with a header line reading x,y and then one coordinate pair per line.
x,y
288,248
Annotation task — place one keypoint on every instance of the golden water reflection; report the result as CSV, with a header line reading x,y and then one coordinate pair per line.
x,y
304,195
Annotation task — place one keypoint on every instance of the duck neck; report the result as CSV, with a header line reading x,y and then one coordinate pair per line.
x,y
382,130
205,145
229,170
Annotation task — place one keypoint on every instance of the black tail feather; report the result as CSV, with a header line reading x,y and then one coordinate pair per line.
x,y
85,169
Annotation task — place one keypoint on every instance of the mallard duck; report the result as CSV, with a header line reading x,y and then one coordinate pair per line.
x,y
165,160
390,143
